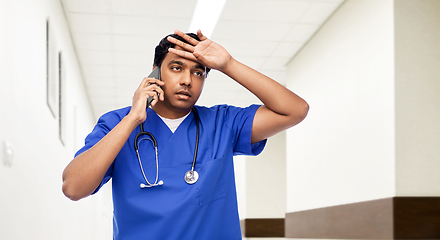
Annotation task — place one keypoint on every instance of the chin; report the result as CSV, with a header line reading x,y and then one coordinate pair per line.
x,y
183,106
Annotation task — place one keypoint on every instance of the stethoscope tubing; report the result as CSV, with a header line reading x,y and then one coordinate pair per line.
x,y
142,169
196,116
191,180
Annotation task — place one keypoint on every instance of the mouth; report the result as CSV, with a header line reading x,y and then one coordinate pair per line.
x,y
183,94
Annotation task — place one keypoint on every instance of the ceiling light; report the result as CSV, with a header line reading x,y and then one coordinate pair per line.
x,y
206,16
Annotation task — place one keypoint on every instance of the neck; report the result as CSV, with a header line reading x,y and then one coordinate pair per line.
x,y
170,113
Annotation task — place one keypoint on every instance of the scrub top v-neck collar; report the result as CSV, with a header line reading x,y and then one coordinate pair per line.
x,y
173,124
163,133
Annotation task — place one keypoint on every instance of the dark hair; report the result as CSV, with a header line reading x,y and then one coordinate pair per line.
x,y
162,48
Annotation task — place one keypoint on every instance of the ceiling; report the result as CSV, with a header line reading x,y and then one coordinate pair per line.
x,y
115,41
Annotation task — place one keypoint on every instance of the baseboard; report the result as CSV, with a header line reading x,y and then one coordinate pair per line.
x,y
389,218
263,227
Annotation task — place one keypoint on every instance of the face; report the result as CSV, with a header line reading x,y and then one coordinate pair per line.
x,y
183,80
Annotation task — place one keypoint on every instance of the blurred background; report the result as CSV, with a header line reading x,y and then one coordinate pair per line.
x,y
369,70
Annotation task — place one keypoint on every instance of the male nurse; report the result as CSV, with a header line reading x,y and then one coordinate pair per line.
x,y
206,209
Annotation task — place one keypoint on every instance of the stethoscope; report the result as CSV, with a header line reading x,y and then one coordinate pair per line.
x,y
190,177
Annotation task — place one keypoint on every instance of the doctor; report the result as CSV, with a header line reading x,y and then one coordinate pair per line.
x,y
206,209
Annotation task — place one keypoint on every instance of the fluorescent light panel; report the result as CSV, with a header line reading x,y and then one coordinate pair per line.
x,y
206,16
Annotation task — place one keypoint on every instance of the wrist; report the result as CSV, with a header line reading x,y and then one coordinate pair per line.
x,y
132,120
229,67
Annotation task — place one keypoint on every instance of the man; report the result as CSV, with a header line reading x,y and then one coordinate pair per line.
x,y
206,209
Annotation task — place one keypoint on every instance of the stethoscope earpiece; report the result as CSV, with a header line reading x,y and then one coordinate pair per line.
x,y
160,183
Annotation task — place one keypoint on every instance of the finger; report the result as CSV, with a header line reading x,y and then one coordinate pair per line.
x,y
181,44
201,36
154,88
187,38
184,54
160,93
154,96
153,81
143,83
157,96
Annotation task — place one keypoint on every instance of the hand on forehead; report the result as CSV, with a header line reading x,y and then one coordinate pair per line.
x,y
205,51
183,49
182,60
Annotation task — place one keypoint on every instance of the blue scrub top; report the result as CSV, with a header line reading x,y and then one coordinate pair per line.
x,y
177,210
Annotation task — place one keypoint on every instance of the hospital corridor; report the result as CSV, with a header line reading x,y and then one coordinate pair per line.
x,y
363,164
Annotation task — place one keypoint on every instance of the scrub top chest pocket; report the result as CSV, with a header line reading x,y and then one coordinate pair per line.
x,y
212,186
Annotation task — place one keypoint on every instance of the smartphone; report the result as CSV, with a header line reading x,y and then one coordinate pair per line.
x,y
154,74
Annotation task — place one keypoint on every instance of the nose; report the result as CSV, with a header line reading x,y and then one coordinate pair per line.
x,y
186,78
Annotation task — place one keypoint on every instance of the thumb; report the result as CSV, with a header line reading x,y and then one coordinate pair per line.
x,y
201,36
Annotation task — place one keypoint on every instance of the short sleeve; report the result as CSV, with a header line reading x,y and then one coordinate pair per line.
x,y
240,121
105,124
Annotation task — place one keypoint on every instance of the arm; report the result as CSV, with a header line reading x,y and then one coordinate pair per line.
x,y
85,172
282,108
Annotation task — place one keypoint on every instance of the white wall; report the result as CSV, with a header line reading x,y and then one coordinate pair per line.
x,y
32,205
261,181
417,97
344,151
240,184
266,180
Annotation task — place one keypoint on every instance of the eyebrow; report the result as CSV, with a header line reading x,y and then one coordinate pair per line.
x,y
201,67
197,66
175,62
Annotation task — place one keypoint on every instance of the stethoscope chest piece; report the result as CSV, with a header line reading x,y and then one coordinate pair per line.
x,y
191,177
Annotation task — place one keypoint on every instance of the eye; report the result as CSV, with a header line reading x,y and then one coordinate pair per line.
x,y
198,73
176,68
